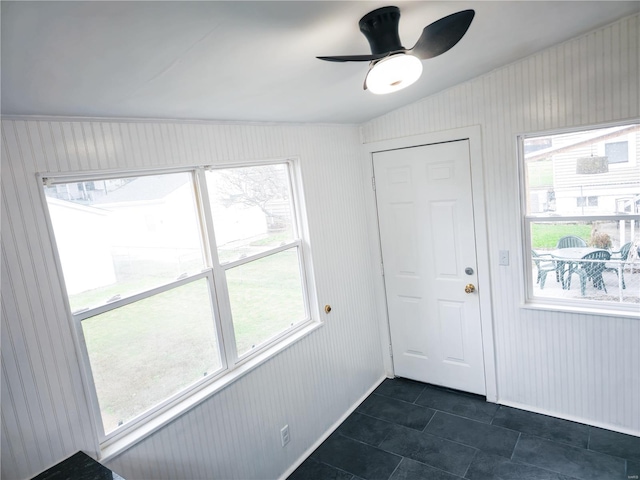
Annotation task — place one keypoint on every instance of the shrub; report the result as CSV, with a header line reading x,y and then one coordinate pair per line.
x,y
600,240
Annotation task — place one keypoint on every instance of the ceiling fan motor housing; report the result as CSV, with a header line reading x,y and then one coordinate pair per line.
x,y
380,27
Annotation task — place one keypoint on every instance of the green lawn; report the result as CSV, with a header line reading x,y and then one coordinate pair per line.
x,y
147,351
265,298
151,349
546,235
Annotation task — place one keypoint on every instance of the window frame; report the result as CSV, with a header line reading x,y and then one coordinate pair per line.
x,y
232,365
628,148
526,219
220,269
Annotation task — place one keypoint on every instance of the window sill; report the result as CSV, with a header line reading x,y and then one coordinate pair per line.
x,y
120,445
582,309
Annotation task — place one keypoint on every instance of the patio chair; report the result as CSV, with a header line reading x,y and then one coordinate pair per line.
x,y
589,269
571,241
620,255
544,264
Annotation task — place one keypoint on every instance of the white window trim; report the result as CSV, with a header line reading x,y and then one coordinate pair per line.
x,y
528,301
233,367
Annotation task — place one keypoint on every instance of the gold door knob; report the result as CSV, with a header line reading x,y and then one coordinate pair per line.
x,y
470,288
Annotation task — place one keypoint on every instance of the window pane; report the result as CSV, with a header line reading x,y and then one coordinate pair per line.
x,y
121,236
583,173
251,209
266,298
610,273
145,352
617,152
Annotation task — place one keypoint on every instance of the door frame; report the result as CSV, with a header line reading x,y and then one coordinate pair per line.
x,y
474,135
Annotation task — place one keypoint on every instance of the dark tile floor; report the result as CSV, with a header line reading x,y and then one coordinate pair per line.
x,y
407,430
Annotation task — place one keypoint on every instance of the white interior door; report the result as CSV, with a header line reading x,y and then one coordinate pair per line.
x,y
425,213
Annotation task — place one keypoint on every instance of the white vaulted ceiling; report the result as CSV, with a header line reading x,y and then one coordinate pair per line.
x,y
251,61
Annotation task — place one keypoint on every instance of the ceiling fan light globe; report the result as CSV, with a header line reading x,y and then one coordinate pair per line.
x,y
393,73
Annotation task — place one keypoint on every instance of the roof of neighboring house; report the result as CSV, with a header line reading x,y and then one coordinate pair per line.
x,y
150,187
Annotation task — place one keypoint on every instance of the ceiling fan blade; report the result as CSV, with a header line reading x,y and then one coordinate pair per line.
x,y
354,58
442,34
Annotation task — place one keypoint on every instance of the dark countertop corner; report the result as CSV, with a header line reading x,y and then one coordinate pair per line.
x,y
78,466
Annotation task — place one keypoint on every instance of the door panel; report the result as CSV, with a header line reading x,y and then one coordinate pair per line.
x,y
427,235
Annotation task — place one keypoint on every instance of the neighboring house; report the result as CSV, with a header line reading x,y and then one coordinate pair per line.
x,y
587,174
138,212
75,253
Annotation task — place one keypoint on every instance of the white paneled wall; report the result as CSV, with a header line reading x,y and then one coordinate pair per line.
x,y
236,433
583,367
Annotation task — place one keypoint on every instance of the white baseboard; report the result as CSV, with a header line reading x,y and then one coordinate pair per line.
x,y
573,418
331,429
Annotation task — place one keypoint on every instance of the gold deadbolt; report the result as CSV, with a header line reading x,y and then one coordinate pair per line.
x,y
327,308
470,288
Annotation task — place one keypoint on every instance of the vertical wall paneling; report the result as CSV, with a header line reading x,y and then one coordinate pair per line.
x,y
575,366
235,433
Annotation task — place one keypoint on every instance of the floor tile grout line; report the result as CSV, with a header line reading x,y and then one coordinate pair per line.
x,y
553,440
471,462
566,444
547,439
472,419
379,446
332,466
562,421
413,402
362,443
370,416
572,446
556,471
440,469
476,449
515,446
368,444
397,466
384,440
396,399
545,468
417,398
424,430
495,413
469,446
385,420
578,448
457,414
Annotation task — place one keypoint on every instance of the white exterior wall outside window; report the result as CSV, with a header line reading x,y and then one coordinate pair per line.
x,y
581,218
174,278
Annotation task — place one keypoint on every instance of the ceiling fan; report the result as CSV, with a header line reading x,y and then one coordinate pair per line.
x,y
392,66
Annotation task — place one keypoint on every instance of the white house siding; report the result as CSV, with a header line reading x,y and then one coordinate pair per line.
x,y
578,366
621,180
236,433
614,190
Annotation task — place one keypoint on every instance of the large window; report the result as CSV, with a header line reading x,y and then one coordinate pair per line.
x,y
173,279
581,208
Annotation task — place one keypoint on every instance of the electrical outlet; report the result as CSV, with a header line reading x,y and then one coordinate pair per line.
x,y
284,435
504,257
